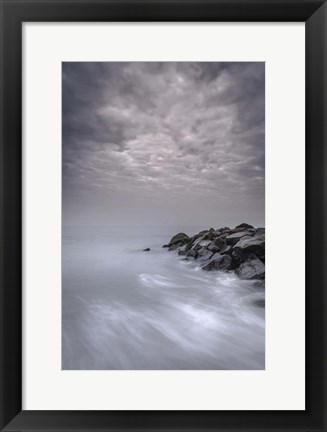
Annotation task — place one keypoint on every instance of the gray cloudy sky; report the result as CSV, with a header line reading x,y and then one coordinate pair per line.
x,y
163,143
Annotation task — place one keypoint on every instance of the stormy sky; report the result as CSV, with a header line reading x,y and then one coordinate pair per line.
x,y
173,144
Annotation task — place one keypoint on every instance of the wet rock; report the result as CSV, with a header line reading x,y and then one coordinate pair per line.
x,y
219,262
241,249
202,233
243,226
234,238
218,244
199,243
192,253
251,268
178,240
204,254
247,246
260,232
227,249
184,249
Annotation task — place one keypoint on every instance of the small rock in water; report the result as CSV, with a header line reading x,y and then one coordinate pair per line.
x,y
146,250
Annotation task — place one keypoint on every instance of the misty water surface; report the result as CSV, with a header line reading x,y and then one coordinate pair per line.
x,y
127,309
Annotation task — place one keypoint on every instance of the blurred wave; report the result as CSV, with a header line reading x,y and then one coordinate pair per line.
x,y
127,309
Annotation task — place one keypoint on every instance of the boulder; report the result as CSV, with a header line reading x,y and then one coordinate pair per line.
x,y
225,234
251,268
247,246
192,253
146,250
219,242
259,232
200,243
205,235
219,262
227,249
202,233
234,238
213,248
241,249
204,254
243,226
178,240
183,250
204,243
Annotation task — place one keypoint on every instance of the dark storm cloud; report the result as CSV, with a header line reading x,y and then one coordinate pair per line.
x,y
164,130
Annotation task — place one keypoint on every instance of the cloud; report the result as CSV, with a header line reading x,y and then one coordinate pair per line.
x,y
164,129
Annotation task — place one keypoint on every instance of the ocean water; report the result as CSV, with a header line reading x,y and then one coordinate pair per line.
x,y
123,308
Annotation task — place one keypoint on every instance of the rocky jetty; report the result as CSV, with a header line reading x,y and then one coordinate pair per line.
x,y
241,249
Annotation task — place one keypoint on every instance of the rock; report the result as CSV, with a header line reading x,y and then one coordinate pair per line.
x,y
232,239
209,236
259,232
205,235
200,243
219,242
178,240
252,268
204,254
213,248
192,253
183,250
241,249
224,234
146,250
204,243
202,233
219,262
227,249
165,246
246,246
243,226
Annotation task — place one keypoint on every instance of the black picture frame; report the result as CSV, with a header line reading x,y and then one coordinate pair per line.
x,y
13,14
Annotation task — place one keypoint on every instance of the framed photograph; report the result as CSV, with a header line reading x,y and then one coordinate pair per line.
x,y
163,234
